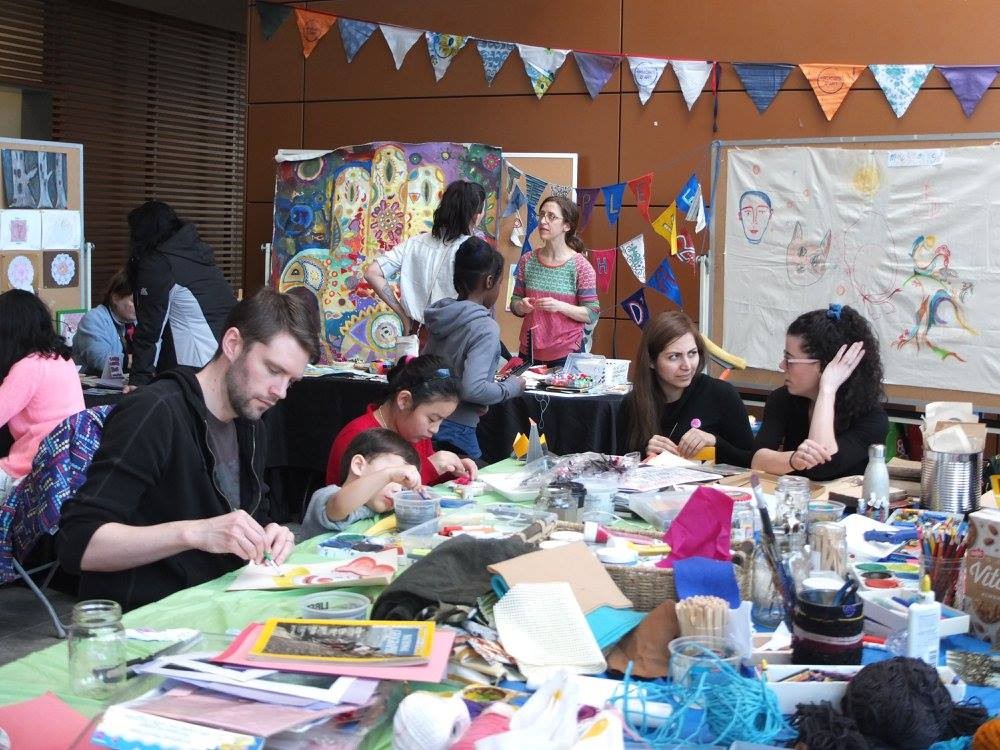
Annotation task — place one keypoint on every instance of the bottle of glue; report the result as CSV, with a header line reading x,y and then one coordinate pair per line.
x,y
923,625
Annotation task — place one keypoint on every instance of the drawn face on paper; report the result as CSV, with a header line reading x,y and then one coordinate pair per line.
x,y
755,215
806,261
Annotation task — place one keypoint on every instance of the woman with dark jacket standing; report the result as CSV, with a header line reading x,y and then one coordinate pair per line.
x,y
177,287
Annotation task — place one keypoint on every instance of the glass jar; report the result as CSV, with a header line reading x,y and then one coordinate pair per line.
x,y
97,652
743,522
767,606
792,502
559,500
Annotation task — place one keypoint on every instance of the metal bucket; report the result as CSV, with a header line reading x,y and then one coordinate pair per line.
x,y
951,482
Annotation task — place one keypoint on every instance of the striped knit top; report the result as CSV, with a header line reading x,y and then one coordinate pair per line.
x,y
553,335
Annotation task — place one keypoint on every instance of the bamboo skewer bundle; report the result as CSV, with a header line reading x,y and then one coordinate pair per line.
x,y
703,616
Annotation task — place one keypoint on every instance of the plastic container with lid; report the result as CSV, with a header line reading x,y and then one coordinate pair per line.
x,y
658,508
413,508
497,520
335,605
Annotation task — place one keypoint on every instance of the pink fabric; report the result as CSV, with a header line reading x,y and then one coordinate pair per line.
x,y
702,528
37,394
494,720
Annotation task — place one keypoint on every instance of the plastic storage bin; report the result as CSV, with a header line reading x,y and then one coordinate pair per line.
x,y
496,521
658,508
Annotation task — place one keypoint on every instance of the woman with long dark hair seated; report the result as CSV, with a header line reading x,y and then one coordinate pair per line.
x,y
675,407
821,421
39,385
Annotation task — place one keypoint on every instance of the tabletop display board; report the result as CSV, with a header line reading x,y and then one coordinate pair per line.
x,y
559,171
905,231
41,225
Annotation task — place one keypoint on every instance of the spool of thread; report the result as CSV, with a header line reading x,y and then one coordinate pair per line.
x,y
427,721
594,533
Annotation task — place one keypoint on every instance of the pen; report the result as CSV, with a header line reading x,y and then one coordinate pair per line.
x,y
268,560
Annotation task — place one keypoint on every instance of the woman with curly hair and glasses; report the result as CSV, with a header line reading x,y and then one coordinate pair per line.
x,y
821,421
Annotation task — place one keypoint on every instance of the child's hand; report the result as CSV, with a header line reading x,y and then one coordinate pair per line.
x,y
407,476
382,502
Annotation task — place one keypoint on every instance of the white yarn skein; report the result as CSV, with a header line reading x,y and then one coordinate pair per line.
x,y
428,721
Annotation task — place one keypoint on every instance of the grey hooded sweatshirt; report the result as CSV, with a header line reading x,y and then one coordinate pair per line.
x,y
465,335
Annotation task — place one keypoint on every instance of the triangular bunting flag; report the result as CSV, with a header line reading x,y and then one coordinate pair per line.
x,y
687,194
762,81
560,191
271,17
532,226
442,48
642,189
646,72
900,83
604,267
697,211
831,83
535,187
541,65
493,55
692,76
513,176
665,225
312,27
399,41
514,203
686,250
613,201
354,34
636,308
969,82
585,199
596,70
664,281
634,252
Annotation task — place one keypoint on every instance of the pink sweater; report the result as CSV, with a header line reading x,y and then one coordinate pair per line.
x,y
37,394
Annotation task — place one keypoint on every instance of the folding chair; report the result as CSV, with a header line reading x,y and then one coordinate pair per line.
x,y
32,509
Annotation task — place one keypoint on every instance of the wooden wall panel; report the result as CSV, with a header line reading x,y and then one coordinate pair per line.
x,y
269,127
275,68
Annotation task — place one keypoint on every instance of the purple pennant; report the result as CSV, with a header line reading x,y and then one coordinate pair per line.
x,y
969,82
596,70
636,308
613,201
664,281
585,199
762,81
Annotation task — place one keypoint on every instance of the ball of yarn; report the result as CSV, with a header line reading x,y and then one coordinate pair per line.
x,y
987,737
903,703
428,721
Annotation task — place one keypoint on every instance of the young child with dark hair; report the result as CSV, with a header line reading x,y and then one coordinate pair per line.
x,y
376,464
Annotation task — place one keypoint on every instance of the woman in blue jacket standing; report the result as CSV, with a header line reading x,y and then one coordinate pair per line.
x,y
107,330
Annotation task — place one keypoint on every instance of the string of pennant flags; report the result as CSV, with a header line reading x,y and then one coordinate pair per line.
x,y
831,82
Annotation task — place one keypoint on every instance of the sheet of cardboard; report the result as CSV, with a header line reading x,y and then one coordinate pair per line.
x,y
63,727
573,563
647,646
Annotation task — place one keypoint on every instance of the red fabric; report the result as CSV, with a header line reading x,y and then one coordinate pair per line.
x,y
367,421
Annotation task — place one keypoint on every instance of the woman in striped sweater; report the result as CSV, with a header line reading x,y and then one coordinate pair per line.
x,y
555,289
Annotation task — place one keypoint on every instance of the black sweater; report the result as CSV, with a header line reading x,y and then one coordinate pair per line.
x,y
719,407
786,425
154,466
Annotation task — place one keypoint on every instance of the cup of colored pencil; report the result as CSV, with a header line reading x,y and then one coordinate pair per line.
x,y
942,551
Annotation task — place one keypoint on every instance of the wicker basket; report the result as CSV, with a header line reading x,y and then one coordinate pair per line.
x,y
647,588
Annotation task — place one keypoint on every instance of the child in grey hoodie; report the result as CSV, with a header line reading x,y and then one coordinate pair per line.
x,y
464,333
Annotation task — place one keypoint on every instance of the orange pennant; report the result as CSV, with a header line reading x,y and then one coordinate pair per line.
x,y
831,83
312,27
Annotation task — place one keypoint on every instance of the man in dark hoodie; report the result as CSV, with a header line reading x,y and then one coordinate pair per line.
x,y
178,289
464,333
174,496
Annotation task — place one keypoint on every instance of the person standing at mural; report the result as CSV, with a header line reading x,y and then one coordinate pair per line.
x,y
426,263
821,421
423,392
108,329
177,288
555,289
464,333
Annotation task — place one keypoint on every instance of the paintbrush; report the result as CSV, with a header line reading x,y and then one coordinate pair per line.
x,y
779,578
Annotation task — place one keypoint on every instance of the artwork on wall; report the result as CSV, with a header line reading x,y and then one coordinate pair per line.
x,y
34,179
61,230
908,237
20,230
60,269
20,271
67,323
335,212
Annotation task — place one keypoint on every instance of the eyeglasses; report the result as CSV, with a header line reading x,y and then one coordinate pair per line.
x,y
548,215
785,361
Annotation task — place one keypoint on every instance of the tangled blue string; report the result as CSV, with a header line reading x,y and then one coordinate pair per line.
x,y
732,707
958,743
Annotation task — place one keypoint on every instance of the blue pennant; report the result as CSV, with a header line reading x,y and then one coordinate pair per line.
x,y
493,55
354,34
613,201
664,281
636,308
687,194
762,81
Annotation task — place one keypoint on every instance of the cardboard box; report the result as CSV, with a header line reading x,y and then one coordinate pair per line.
x,y
982,575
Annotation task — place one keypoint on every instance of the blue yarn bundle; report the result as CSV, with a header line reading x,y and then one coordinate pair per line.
x,y
732,707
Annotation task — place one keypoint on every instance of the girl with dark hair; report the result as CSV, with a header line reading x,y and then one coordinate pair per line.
x,y
176,285
822,420
107,330
426,263
39,385
464,334
674,406
555,288
422,393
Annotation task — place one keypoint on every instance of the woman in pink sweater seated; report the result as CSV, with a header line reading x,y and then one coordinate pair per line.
x,y
39,385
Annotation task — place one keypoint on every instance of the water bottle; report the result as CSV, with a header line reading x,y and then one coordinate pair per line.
x,y
874,500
